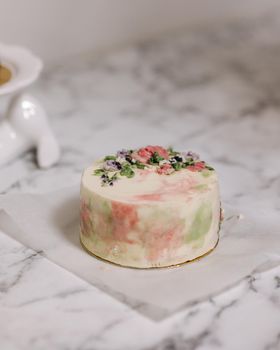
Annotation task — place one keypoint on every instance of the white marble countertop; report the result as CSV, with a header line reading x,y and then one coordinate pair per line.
x,y
215,91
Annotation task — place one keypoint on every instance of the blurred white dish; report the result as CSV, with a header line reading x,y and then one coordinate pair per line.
x,y
25,125
24,66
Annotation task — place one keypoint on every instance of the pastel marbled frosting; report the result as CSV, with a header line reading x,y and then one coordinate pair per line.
x,y
151,219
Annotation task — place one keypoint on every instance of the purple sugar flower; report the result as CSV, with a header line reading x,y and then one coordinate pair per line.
x,y
122,154
190,154
112,165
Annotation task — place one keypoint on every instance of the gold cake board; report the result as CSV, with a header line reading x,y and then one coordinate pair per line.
x,y
149,268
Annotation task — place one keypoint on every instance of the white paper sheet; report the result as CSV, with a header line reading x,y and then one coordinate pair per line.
x,y
49,223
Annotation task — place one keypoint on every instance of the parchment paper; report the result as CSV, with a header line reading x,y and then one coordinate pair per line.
x,y
49,224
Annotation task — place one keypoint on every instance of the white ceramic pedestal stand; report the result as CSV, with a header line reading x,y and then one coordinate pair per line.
x,y
25,125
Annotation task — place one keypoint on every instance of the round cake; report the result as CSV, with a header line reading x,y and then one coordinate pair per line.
x,y
150,207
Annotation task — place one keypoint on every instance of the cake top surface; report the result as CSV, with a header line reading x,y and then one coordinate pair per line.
x,y
151,173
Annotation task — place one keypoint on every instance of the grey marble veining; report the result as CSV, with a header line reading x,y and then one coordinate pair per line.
x,y
215,91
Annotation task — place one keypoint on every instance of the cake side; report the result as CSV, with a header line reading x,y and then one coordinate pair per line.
x,y
151,219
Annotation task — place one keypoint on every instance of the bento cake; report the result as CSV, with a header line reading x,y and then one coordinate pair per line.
x,y
149,207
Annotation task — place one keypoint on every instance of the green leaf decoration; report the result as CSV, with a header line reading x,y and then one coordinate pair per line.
x,y
98,172
177,166
155,158
127,171
140,165
110,158
114,177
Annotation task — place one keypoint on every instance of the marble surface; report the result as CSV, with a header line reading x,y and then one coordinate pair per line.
x,y
215,91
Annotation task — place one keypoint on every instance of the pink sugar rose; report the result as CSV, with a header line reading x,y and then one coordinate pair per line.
x,y
165,169
144,154
197,166
160,150
141,159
